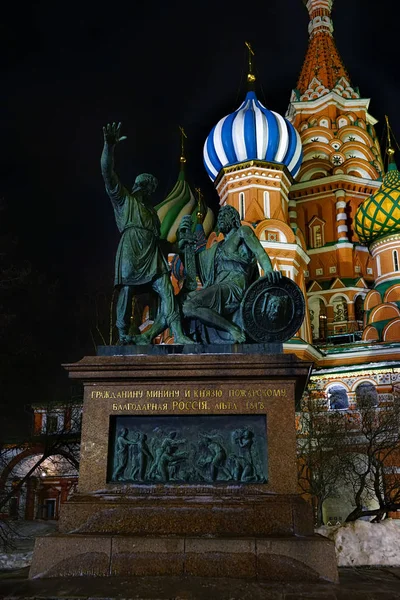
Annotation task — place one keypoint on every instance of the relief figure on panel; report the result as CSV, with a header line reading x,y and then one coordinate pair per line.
x,y
213,458
122,455
142,458
167,458
244,467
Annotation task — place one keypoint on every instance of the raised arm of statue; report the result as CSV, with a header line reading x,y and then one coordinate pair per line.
x,y
111,138
253,243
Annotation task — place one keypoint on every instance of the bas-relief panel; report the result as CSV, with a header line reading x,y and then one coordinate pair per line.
x,y
188,449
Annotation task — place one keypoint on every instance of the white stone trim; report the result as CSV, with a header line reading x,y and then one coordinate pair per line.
x,y
326,292
340,177
329,248
341,204
285,246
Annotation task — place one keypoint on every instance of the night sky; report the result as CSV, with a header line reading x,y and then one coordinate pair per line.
x,y
69,69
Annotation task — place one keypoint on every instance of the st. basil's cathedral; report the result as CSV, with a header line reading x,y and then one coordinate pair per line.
x,y
323,199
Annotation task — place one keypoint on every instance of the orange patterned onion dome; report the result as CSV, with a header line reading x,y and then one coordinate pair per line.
x,y
379,215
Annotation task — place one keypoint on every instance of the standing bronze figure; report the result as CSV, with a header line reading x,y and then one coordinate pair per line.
x,y
139,260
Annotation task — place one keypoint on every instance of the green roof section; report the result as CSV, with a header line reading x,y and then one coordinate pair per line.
x,y
382,288
379,215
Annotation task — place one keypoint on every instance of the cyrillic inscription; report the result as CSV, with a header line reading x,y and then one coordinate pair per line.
x,y
177,400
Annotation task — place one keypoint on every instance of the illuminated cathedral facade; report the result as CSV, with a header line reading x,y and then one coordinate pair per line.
x,y
324,200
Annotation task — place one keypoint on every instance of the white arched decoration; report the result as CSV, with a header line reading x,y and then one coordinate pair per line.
x,y
395,260
242,211
378,265
267,206
317,307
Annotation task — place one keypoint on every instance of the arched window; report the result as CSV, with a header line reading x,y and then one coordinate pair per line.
x,y
359,308
241,205
337,396
316,229
317,235
323,322
340,309
318,319
267,207
366,395
395,260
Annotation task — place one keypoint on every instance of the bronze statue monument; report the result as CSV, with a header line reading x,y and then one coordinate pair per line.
x,y
222,310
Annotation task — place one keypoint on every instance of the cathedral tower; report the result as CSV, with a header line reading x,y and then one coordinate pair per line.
x,y
342,165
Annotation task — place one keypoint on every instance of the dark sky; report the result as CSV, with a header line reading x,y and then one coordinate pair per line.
x,y
70,68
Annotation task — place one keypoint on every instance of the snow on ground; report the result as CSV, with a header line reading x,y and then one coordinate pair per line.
x,y
26,531
362,543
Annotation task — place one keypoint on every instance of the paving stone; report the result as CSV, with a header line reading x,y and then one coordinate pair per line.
x,y
355,584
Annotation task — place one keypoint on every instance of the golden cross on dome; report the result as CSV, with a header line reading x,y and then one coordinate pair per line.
x,y
250,76
183,137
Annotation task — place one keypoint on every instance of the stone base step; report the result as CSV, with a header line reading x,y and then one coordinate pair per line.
x,y
292,558
243,513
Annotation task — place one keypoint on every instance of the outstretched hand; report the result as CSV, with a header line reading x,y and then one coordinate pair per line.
x,y
274,276
112,134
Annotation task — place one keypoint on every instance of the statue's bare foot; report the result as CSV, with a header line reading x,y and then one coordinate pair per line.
x,y
141,340
238,335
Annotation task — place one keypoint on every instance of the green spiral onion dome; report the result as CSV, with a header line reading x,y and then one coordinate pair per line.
x,y
379,215
179,202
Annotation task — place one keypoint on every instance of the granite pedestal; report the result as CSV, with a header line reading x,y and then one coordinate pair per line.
x,y
218,529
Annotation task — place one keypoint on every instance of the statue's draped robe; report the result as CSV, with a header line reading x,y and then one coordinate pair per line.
x,y
139,259
225,277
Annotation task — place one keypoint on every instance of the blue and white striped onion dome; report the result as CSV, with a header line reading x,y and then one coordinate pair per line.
x,y
252,132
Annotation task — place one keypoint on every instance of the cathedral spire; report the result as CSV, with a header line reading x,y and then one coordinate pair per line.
x,y
323,68
320,16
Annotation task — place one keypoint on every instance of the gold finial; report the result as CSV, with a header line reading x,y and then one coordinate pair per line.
x,y
183,137
250,75
199,214
389,149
